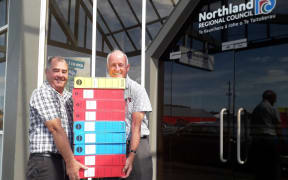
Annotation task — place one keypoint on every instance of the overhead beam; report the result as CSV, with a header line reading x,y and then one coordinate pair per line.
x,y
122,24
99,28
138,21
109,30
135,26
156,11
62,22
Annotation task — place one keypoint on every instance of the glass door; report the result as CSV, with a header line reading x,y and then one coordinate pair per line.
x,y
259,70
192,126
206,116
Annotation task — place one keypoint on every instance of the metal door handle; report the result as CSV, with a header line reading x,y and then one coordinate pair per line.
x,y
221,135
239,136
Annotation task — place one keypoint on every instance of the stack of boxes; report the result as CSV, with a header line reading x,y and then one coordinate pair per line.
x,y
99,126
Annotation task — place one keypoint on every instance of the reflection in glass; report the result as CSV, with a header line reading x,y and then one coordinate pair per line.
x,y
193,97
2,75
3,12
2,89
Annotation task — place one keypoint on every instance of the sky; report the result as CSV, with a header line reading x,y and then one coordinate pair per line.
x,y
256,70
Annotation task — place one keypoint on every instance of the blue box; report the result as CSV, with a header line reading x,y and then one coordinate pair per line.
x,y
96,138
99,149
99,126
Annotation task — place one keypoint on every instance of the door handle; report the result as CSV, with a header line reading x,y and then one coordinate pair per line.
x,y
240,161
221,135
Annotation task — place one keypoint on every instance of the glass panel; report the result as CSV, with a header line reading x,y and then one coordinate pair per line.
x,y
57,33
124,12
71,36
2,76
151,13
190,121
109,15
154,29
3,12
164,7
193,97
135,33
279,27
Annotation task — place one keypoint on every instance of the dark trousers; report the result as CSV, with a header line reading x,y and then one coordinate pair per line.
x,y
142,166
266,158
45,168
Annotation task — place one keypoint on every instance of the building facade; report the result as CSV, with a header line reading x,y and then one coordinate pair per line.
x,y
205,66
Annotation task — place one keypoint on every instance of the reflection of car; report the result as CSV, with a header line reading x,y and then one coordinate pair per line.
x,y
197,143
181,115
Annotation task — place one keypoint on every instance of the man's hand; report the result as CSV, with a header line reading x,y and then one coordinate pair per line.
x,y
128,165
73,168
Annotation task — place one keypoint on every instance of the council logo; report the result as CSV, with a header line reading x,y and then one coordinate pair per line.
x,y
264,6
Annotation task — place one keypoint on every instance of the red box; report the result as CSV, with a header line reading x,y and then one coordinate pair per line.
x,y
99,116
112,94
82,105
101,172
102,160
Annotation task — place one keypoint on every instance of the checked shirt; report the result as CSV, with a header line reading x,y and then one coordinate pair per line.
x,y
47,104
137,100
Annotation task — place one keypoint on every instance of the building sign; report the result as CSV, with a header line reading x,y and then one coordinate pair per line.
x,y
236,15
237,44
78,66
193,58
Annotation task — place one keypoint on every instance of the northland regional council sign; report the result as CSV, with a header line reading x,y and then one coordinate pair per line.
x,y
236,15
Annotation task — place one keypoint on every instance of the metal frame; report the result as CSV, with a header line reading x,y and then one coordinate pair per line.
x,y
72,36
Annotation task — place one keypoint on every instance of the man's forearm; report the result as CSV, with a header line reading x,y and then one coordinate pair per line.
x,y
63,145
137,118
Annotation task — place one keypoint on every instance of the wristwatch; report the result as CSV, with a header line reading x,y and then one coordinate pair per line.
x,y
132,151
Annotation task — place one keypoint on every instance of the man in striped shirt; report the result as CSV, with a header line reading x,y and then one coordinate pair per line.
x,y
50,132
139,160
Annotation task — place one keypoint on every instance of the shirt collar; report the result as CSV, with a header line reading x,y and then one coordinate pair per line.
x,y
128,80
47,84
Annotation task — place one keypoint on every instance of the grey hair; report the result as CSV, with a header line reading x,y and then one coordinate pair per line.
x,y
117,50
58,58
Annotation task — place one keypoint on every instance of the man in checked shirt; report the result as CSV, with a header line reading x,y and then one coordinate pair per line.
x,y
50,132
139,160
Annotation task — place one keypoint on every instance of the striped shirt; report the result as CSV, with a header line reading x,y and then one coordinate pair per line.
x,y
137,100
47,104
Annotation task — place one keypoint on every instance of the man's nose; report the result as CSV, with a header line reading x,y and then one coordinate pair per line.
x,y
117,67
60,74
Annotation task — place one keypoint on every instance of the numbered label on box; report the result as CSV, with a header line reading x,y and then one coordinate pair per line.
x,y
96,138
98,126
99,116
98,149
111,94
102,160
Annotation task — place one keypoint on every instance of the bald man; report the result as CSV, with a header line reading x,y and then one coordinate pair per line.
x,y
139,161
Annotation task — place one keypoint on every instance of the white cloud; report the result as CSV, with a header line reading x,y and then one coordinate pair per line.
x,y
261,59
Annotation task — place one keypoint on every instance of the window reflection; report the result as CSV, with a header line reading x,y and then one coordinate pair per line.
x,y
2,75
3,12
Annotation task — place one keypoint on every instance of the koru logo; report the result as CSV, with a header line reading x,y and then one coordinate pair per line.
x,y
79,82
264,6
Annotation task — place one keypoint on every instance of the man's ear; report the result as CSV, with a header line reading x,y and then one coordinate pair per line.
x,y
128,67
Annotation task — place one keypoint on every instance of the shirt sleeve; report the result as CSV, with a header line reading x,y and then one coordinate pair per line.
x,y
45,105
142,102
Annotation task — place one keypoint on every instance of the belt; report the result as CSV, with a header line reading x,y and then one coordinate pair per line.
x,y
143,137
47,154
